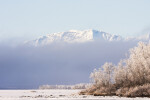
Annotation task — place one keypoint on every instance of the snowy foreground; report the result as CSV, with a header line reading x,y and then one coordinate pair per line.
x,y
54,94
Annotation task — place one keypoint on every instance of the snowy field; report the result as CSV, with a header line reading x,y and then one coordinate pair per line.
x,y
54,95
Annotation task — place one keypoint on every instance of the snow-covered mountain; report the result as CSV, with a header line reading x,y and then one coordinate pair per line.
x,y
76,36
73,36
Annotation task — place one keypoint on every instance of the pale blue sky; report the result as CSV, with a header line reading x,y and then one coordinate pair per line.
x,y
28,19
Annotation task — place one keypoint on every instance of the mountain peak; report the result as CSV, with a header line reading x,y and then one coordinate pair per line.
x,y
75,36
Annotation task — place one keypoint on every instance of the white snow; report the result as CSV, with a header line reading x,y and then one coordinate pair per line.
x,y
77,36
73,36
54,94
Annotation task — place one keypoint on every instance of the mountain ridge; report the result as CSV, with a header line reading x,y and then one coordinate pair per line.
x,y
78,36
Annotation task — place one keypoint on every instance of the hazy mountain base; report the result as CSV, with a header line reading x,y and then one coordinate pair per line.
x,y
130,78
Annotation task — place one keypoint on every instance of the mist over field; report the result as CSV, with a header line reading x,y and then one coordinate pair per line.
x,y
27,66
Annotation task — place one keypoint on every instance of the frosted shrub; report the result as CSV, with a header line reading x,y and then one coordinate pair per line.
x,y
136,69
138,64
131,77
137,91
121,75
103,82
102,76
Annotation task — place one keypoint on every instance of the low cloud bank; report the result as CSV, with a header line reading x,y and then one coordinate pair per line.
x,y
58,63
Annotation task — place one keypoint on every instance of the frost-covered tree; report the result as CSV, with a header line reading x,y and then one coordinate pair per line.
x,y
138,64
102,76
136,69
130,77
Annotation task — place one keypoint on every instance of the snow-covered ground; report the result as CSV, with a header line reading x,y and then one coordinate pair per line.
x,y
54,94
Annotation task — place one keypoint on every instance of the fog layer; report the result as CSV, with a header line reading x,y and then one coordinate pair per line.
x,y
58,63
